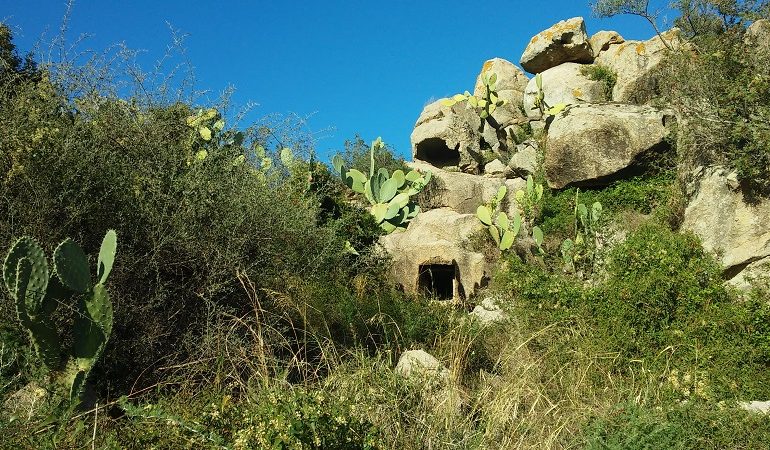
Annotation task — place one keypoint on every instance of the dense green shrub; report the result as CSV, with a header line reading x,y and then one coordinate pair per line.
x,y
684,426
601,73
731,130
356,156
662,304
192,224
639,194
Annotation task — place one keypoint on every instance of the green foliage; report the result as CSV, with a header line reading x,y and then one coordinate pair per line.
x,y
601,73
582,250
188,224
734,131
357,155
663,307
26,276
645,195
486,105
502,229
276,418
682,426
529,200
390,196
641,8
713,17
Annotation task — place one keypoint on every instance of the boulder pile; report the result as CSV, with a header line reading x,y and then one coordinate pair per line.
x,y
586,120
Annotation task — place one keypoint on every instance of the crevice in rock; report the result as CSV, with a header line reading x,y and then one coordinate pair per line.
x,y
735,270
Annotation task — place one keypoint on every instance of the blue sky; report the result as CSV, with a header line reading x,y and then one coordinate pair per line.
x,y
350,66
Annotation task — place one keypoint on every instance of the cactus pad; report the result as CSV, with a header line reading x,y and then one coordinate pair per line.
x,y
71,266
106,256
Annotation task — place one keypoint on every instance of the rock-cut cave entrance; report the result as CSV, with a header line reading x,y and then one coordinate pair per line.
x,y
439,281
435,152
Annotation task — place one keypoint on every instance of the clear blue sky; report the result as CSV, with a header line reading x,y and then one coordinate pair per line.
x,y
357,66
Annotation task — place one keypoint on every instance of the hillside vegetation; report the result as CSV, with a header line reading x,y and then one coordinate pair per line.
x,y
251,307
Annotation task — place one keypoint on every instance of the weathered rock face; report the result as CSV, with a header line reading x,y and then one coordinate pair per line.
x,y
524,161
590,145
566,41
727,225
758,35
511,82
448,137
462,192
601,41
430,257
564,83
635,63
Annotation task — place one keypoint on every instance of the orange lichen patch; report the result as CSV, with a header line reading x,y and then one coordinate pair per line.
x,y
534,39
577,93
487,65
641,49
549,35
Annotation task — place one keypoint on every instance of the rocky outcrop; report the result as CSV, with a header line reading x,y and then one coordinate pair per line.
x,y
566,84
736,231
448,137
431,257
524,161
602,40
635,63
462,192
758,36
566,41
590,145
511,82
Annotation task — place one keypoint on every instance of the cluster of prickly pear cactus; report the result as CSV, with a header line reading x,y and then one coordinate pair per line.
x,y
529,201
502,229
583,248
486,105
37,292
390,195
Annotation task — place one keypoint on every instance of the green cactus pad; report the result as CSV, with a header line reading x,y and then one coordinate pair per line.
x,y
25,247
495,234
77,384
507,240
412,176
107,256
537,235
400,178
484,215
42,333
339,165
392,211
388,190
71,266
99,309
379,211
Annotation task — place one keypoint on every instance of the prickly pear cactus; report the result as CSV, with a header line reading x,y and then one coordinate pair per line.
x,y
390,195
26,275
25,272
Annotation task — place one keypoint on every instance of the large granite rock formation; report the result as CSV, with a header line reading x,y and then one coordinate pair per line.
x,y
636,64
590,145
566,84
737,231
566,41
448,137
